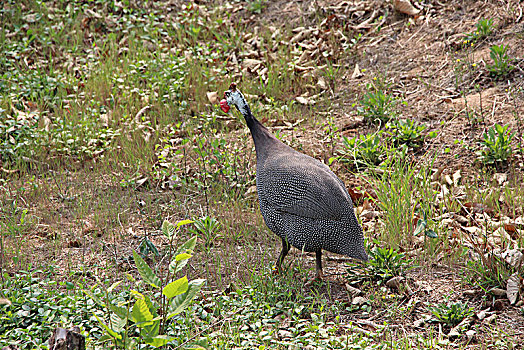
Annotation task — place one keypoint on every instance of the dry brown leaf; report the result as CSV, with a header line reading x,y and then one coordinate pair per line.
x,y
497,292
395,282
511,230
250,63
212,96
456,178
448,180
500,178
356,72
513,287
499,238
305,100
477,208
369,214
513,257
405,6
44,122
321,83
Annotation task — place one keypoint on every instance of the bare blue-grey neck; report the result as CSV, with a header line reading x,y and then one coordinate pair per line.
x,y
261,136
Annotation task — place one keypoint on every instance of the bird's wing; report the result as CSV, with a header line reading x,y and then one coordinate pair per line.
x,y
307,189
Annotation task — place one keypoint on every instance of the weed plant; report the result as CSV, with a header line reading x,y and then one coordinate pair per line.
x,y
501,65
384,264
402,190
363,151
144,317
33,302
405,132
377,106
451,314
484,29
496,142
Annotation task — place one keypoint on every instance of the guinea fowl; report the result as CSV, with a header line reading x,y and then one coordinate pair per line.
x,y
301,199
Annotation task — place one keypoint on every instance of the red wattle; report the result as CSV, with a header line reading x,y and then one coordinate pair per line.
x,y
225,107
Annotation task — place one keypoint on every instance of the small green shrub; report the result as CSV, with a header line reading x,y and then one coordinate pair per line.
x,y
145,316
451,314
363,151
501,61
497,145
378,105
384,263
206,228
405,132
484,29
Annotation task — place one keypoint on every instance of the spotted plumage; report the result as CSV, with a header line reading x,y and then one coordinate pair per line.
x,y
301,199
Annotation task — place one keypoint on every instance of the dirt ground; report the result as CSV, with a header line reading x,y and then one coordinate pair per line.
x,y
446,86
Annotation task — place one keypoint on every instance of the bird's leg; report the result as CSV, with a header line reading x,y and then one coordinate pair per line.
x,y
319,274
283,253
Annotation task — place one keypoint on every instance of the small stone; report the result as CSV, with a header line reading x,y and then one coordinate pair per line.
x,y
471,334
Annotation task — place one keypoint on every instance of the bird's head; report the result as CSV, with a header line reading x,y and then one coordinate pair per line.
x,y
233,97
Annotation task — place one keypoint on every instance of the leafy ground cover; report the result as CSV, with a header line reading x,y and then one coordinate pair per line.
x,y
110,125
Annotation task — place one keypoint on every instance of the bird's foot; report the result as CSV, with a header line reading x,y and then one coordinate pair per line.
x,y
319,278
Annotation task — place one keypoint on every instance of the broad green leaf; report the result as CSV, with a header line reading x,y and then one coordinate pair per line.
x,y
181,302
431,234
202,343
95,298
146,247
108,330
141,314
104,338
421,225
184,222
121,312
145,271
130,277
151,330
137,294
182,256
159,340
117,323
189,245
176,288
151,305
113,286
176,266
168,229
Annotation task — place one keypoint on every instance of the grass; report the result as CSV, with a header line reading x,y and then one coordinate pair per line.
x,y
106,131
